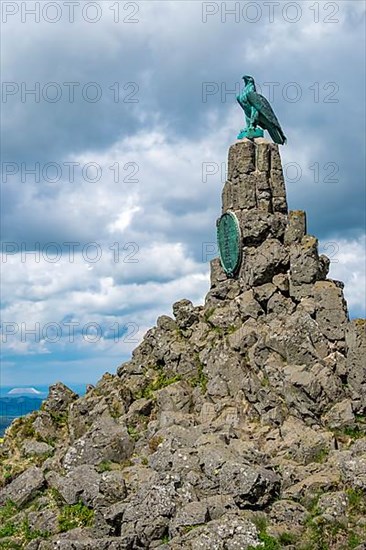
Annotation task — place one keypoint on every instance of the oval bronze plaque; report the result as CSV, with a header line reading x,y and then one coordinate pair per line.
x,y
229,242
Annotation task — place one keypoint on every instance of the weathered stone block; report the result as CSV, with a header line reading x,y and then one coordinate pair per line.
x,y
279,204
241,159
217,274
262,263
227,197
24,487
304,261
248,306
331,311
281,282
356,360
262,155
296,227
246,191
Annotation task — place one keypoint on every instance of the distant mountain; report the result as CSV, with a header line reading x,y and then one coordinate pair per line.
x,y
24,391
14,406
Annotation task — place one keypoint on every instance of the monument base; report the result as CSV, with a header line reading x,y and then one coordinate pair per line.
x,y
251,133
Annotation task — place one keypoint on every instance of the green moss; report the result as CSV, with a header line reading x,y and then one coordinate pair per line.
x,y
8,510
288,538
5,475
59,418
355,432
21,531
25,427
10,545
356,501
115,410
75,515
201,379
231,329
208,313
104,466
353,540
268,542
55,497
160,382
133,432
7,529
321,456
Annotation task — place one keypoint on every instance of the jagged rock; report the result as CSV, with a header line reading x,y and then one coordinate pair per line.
x,y
355,362
297,339
24,487
264,292
175,397
304,261
192,513
44,520
296,227
262,263
289,513
280,305
44,427
113,487
257,225
331,313
340,415
281,282
59,398
241,159
106,440
248,486
82,483
334,505
185,314
301,442
353,470
230,532
248,306
225,316
243,411
36,448
324,481
217,274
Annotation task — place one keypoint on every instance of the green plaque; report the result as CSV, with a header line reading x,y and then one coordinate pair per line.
x,y
229,241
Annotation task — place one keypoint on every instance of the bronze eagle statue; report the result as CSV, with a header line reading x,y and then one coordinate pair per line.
x,y
258,112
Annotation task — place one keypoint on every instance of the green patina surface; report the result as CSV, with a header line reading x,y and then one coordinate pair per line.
x,y
229,242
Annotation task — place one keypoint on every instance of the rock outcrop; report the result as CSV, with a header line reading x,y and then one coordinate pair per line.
x,y
237,424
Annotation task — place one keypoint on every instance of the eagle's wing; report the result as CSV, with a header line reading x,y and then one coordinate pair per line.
x,y
266,117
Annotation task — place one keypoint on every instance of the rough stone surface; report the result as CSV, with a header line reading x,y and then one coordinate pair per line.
x,y
24,487
236,424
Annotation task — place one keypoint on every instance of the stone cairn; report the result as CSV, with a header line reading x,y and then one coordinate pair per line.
x,y
237,424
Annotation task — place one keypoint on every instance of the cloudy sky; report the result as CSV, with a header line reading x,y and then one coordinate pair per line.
x,y
116,120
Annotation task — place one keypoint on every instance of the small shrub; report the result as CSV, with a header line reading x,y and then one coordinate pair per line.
x,y
321,456
104,466
8,510
287,538
133,432
75,515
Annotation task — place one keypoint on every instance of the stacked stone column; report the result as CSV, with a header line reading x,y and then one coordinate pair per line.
x,y
277,250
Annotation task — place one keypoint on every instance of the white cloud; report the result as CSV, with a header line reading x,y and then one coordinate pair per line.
x,y
163,219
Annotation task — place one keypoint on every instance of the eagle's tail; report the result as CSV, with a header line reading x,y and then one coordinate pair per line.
x,y
277,135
